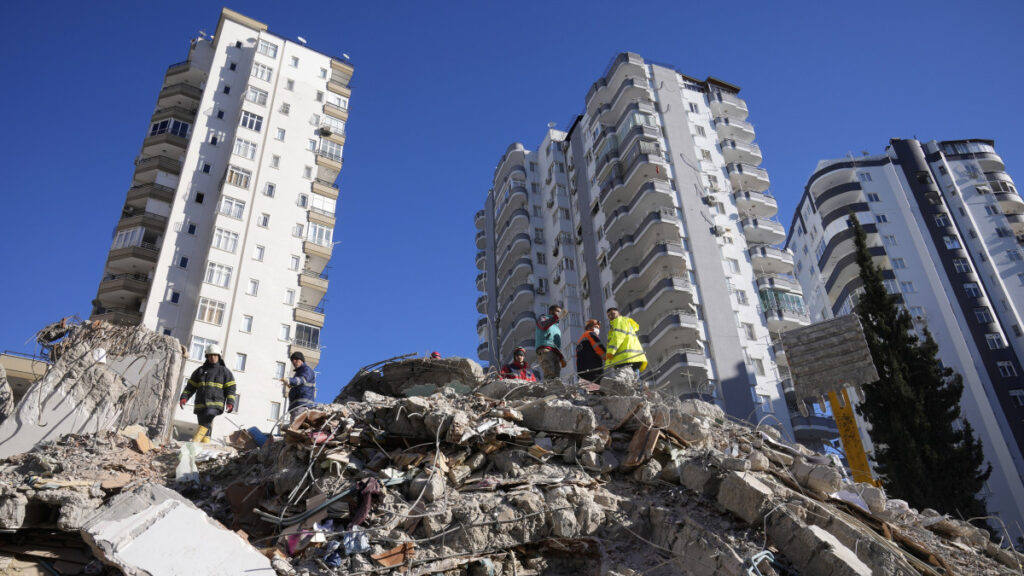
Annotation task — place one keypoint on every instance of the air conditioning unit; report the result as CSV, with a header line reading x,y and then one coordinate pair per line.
x,y
718,230
541,290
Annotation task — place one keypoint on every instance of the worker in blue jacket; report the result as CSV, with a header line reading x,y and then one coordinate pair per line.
x,y
301,386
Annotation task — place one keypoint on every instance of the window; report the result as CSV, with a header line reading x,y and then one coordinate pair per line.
x,y
197,351
307,172
239,177
1003,232
289,84
264,220
700,131
307,336
252,121
297,230
293,263
191,229
259,252
176,127
256,96
1013,255
748,331
542,258
972,290
213,140
759,366
285,333
210,311
200,197
337,100
270,189
240,360
279,370
183,262
917,311
1006,369
220,114
952,242
733,264
175,297
941,220
311,145
891,286
280,134
961,265
331,150
275,161
167,331
899,263
881,218
705,154
245,148
206,168
983,315
323,72
741,297
232,66
218,274
907,287
864,177
322,204
267,49
289,297
295,61
253,288
319,96
872,197
994,341
992,209
319,234
246,323
262,71
888,240
227,89
693,107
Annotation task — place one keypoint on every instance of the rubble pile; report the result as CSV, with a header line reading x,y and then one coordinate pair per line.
x,y
503,478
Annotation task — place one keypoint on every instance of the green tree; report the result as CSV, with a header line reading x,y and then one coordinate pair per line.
x,y
925,452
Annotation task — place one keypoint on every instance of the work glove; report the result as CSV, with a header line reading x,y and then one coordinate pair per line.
x,y
230,406
182,401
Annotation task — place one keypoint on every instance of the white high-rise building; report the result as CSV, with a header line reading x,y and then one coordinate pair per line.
x,y
225,234
944,223
653,201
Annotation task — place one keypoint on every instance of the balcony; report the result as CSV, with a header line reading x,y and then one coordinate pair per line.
x,y
312,315
813,429
741,152
662,296
481,260
519,272
339,85
687,370
668,257
782,318
516,201
652,197
520,328
679,329
129,258
518,299
771,260
317,250
321,217
761,231
624,65
518,222
325,188
115,287
119,316
779,283
311,351
748,177
1010,202
759,204
780,354
140,194
313,282
656,228
482,352
329,160
481,304
1016,222
179,94
481,281
146,168
165,144
481,324
518,247
148,220
734,129
727,104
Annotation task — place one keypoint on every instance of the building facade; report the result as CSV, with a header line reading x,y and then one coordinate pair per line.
x,y
225,234
944,224
662,211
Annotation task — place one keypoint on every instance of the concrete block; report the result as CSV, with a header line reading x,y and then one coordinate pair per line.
x,y
431,486
619,409
874,497
832,558
745,496
153,531
758,461
696,476
559,416
648,473
701,409
693,429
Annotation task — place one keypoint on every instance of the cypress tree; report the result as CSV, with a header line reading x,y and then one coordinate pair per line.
x,y
925,452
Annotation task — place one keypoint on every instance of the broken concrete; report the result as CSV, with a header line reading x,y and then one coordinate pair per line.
x,y
154,531
106,377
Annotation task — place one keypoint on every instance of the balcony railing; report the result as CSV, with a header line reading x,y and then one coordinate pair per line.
x,y
308,344
312,274
322,212
311,308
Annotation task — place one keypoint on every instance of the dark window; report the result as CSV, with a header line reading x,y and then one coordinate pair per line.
x,y
183,263
238,44
199,197
206,168
167,331
175,296
213,140
220,114
191,228
227,89
231,66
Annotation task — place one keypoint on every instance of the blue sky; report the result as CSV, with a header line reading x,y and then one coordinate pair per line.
x,y
440,90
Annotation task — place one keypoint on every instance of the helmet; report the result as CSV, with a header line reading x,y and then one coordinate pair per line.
x,y
297,356
213,349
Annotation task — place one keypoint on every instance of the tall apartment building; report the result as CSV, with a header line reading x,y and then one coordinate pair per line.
x,y
225,234
663,212
944,224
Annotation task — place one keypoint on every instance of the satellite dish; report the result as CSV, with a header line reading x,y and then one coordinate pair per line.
x,y
552,124
345,56
301,39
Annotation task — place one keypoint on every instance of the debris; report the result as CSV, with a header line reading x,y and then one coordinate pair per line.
x,y
398,555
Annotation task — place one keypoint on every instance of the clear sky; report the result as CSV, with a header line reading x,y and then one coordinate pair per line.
x,y
440,90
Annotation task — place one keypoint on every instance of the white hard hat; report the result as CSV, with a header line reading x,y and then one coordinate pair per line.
x,y
213,349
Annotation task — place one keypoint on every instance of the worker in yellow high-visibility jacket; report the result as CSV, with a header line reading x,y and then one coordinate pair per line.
x,y
624,356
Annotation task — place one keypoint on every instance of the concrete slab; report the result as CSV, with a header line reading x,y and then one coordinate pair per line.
x,y
154,531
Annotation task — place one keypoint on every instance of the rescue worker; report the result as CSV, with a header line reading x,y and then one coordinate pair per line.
x,y
548,343
590,353
301,386
519,368
624,358
214,387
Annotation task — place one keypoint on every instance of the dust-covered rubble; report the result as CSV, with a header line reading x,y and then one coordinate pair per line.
x,y
491,477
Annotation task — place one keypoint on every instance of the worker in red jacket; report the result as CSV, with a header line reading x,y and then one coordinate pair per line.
x,y
519,369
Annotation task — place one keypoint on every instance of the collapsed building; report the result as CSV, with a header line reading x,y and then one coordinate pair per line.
x,y
425,466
